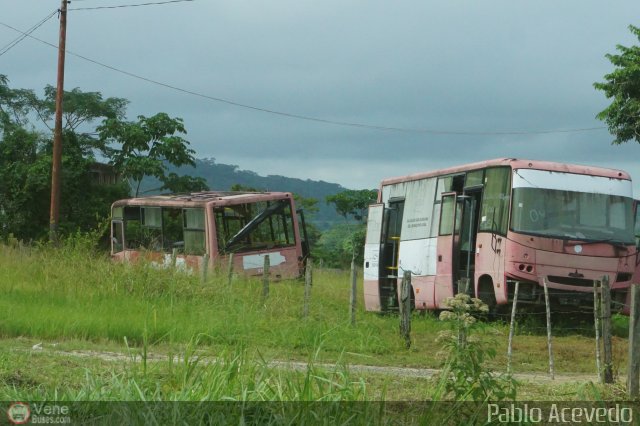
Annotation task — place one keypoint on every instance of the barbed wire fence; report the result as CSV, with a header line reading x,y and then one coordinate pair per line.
x,y
601,329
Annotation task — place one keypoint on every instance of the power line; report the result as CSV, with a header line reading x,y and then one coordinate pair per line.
x,y
130,5
21,37
311,118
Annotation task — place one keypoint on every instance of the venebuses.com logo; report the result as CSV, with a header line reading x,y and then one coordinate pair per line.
x,y
19,413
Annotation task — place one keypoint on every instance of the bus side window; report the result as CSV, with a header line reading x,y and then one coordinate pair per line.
x,y
193,229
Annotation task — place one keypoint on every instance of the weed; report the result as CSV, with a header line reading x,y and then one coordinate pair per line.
x,y
464,375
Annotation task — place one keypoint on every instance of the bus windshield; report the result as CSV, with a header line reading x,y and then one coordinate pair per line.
x,y
254,226
572,215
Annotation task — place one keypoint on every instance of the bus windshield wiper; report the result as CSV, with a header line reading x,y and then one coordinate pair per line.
x,y
605,240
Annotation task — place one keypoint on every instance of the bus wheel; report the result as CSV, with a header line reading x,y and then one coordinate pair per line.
x,y
486,293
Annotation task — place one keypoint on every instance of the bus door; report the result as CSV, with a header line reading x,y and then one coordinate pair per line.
x,y
306,247
372,246
447,247
468,229
389,252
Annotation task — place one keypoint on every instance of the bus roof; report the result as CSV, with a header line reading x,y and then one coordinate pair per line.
x,y
515,163
201,199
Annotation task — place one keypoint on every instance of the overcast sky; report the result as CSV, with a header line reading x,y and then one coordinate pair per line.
x,y
489,67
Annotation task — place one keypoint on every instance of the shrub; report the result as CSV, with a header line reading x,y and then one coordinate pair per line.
x,y
464,375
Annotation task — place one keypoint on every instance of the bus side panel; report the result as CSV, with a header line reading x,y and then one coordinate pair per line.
x,y
283,263
419,257
161,259
424,291
443,287
372,295
372,301
371,283
490,258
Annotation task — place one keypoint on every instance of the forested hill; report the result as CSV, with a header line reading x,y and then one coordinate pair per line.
x,y
223,176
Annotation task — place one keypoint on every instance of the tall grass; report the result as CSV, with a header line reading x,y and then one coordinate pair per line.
x,y
72,294
246,390
77,293
230,376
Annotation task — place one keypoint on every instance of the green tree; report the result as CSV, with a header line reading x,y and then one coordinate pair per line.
x,y
79,108
136,149
353,203
20,180
144,147
83,201
350,204
335,246
623,87
25,164
24,184
237,187
176,184
14,105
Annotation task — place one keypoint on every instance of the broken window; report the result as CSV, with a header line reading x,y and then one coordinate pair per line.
x,y
172,229
255,226
194,231
165,229
145,231
117,241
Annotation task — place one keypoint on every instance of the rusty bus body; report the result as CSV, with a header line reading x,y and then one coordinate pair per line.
x,y
496,223
636,212
213,224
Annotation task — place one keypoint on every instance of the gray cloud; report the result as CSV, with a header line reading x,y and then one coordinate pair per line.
x,y
462,66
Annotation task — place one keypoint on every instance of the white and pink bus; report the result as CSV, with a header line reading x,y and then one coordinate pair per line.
x,y
213,224
636,209
496,223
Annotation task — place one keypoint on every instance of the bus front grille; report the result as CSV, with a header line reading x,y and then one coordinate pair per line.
x,y
579,282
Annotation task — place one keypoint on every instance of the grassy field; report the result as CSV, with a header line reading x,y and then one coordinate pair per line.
x,y
225,336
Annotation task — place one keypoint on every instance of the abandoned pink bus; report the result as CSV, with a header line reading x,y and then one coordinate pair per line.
x,y
496,223
213,224
636,210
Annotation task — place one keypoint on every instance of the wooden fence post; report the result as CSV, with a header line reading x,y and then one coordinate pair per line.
x,y
265,278
174,257
230,268
405,308
606,330
354,291
633,374
205,268
307,288
596,324
546,299
512,327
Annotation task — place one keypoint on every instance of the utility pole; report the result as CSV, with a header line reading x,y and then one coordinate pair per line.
x,y
56,168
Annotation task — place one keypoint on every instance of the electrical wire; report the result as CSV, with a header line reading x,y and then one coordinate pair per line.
x,y
307,117
130,5
24,35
